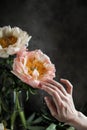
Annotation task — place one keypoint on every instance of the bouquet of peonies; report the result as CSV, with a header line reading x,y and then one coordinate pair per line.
x,y
22,70
29,66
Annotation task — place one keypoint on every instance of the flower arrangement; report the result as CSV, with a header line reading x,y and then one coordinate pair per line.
x,y
22,70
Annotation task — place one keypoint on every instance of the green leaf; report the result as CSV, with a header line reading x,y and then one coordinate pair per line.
x,y
31,118
52,127
70,128
4,105
32,91
27,95
36,128
46,117
38,120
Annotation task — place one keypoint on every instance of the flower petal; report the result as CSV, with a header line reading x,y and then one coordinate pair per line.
x,y
12,40
32,67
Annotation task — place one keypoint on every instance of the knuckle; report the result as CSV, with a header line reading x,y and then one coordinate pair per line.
x,y
66,98
62,105
55,93
66,101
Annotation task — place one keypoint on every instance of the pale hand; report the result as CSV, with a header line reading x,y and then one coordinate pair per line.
x,y
61,104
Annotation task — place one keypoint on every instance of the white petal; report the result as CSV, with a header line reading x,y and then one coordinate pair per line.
x,y
22,39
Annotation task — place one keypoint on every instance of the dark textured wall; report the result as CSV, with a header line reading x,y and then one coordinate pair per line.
x,y
59,29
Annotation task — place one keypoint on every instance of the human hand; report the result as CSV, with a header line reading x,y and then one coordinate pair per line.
x,y
61,104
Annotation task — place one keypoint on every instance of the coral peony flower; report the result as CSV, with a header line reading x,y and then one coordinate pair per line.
x,y
33,66
12,40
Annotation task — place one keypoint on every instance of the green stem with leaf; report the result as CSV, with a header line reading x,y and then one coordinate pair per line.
x,y
17,110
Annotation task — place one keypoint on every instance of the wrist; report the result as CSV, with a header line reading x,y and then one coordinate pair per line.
x,y
79,121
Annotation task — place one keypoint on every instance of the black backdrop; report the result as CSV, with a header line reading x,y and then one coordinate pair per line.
x,y
59,29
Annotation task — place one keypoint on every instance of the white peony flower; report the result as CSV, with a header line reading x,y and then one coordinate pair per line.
x,y
12,40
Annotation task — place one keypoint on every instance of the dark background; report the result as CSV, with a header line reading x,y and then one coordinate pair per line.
x,y
59,29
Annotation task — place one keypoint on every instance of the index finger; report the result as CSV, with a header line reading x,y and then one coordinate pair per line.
x,y
58,85
68,84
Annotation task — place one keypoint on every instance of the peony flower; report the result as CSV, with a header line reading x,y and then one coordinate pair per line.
x,y
12,40
32,67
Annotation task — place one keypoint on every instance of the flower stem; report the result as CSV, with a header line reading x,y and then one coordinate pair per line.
x,y
21,112
14,114
17,110
13,117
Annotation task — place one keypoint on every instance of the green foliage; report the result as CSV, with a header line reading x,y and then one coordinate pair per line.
x,y
33,123
42,122
51,127
8,84
71,128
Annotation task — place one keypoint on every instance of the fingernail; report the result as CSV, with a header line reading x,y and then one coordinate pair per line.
x,y
61,79
45,98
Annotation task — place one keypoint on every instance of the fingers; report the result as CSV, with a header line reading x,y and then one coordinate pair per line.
x,y
59,87
55,95
51,106
69,86
56,85
61,106
46,86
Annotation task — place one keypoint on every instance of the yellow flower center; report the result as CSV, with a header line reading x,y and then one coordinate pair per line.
x,y
33,64
6,41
